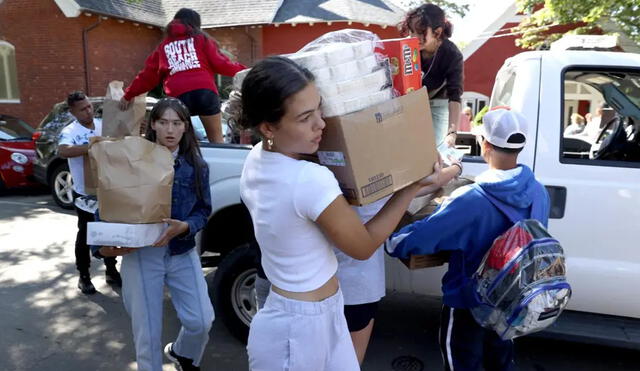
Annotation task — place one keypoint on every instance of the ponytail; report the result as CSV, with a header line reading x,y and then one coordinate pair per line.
x,y
447,29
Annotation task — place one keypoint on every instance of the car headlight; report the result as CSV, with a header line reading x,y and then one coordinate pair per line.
x,y
19,158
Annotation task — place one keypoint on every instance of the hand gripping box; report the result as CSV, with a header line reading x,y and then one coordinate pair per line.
x,y
381,149
404,60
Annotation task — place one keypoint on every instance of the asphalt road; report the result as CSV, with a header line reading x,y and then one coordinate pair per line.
x,y
47,324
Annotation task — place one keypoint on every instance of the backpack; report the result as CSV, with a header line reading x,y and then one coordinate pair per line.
x,y
520,283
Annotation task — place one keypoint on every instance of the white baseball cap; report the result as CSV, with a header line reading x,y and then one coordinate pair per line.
x,y
501,127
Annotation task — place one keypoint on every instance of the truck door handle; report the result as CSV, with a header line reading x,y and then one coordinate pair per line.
x,y
558,199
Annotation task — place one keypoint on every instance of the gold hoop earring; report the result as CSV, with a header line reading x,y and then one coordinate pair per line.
x,y
269,143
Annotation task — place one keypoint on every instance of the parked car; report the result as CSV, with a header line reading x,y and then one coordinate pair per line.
x,y
17,153
594,192
51,169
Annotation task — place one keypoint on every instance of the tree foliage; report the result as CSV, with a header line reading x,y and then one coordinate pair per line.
x,y
588,15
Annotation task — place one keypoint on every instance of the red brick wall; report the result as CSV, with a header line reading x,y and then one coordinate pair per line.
x,y
244,43
49,54
287,39
117,51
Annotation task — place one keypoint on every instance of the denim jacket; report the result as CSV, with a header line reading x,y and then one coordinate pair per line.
x,y
185,205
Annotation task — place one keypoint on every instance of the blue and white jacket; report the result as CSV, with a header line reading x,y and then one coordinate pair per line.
x,y
466,225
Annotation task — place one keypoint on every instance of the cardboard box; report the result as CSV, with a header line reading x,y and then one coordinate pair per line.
x,y
426,261
123,235
404,60
425,206
381,149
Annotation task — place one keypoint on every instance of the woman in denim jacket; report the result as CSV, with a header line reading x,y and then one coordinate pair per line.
x,y
172,259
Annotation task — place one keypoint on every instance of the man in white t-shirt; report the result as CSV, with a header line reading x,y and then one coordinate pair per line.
x,y
73,144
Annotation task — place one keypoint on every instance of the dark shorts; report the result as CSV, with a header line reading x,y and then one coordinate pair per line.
x,y
201,102
358,316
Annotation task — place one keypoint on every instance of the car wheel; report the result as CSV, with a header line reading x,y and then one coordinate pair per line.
x,y
234,294
61,185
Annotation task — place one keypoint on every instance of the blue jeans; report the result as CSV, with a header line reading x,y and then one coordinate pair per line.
x,y
144,274
440,118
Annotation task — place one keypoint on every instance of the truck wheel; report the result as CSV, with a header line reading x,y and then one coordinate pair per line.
x,y
234,294
61,186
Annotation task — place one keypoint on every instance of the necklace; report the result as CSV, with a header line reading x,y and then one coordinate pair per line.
x,y
433,61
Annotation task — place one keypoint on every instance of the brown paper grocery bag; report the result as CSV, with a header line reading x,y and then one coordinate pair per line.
x,y
135,177
90,176
90,171
117,123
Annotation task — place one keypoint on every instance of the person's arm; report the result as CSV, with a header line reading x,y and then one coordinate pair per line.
x,y
447,229
218,61
148,78
455,88
446,175
454,122
111,251
68,151
343,227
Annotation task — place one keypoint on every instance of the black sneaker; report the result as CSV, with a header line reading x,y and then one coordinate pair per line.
x,y
182,363
113,277
85,285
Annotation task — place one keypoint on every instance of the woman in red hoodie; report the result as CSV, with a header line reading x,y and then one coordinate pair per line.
x,y
186,61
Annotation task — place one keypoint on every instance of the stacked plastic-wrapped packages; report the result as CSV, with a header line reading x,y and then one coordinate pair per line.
x,y
349,74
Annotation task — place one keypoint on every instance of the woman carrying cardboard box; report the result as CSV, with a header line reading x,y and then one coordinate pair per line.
x,y
442,67
172,259
299,214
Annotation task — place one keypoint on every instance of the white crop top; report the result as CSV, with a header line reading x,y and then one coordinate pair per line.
x,y
284,197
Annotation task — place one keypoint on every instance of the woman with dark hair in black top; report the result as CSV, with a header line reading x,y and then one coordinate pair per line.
x,y
442,68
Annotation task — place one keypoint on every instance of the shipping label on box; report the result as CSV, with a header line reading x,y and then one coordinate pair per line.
x,y
123,235
404,61
381,149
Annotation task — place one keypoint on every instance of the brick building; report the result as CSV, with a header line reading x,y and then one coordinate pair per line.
x,y
51,47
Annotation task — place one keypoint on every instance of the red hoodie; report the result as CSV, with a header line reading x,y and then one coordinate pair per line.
x,y
184,63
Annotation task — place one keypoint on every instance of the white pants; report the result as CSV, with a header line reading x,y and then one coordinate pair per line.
x,y
294,335
144,274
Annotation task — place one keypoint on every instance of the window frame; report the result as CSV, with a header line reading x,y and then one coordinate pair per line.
x,y
586,161
14,96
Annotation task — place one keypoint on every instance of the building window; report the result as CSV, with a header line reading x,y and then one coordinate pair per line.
x,y
601,118
8,73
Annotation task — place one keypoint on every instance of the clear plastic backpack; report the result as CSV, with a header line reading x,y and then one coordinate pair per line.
x,y
521,281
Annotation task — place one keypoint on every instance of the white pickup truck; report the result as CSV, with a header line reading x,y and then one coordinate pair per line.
x,y
593,181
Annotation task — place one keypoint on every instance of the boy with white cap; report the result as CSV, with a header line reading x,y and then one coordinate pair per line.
x,y
466,225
